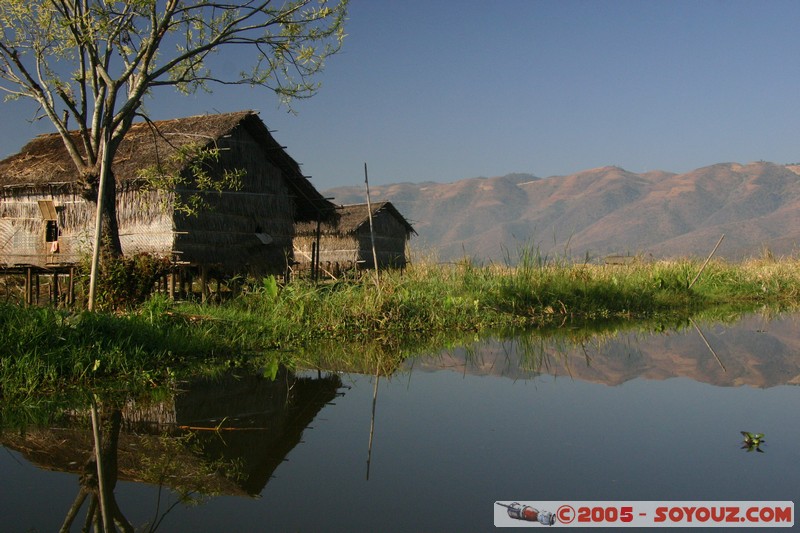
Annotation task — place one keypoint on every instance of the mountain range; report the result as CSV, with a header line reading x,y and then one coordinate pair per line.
x,y
601,212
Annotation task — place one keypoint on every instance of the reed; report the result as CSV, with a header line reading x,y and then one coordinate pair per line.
x,y
45,349
425,307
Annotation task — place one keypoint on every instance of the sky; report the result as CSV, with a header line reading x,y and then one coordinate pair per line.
x,y
439,90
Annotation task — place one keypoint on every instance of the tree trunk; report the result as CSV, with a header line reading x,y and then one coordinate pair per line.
x,y
110,244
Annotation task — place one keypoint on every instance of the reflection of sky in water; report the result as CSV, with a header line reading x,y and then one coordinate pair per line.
x,y
447,445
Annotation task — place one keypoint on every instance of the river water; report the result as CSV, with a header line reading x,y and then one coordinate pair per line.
x,y
432,447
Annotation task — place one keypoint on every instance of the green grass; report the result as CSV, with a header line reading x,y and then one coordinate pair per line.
x,y
359,326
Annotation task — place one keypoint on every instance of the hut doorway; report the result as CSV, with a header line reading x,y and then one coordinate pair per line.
x,y
48,210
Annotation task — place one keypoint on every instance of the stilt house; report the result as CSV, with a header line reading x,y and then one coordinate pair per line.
x,y
45,220
344,242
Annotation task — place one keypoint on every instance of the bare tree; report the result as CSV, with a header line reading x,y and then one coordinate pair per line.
x,y
89,64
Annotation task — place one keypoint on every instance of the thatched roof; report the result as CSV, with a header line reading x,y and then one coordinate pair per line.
x,y
352,217
45,162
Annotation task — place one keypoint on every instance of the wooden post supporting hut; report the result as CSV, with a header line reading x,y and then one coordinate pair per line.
x,y
28,278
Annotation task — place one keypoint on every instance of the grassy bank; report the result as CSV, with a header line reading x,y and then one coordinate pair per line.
x,y
424,308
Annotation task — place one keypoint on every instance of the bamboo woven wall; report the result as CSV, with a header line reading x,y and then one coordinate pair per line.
x,y
355,247
145,220
341,249
225,234
390,241
145,225
22,227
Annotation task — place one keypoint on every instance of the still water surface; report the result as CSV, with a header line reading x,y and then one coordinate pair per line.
x,y
628,418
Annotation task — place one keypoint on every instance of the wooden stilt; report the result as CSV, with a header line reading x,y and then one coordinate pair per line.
x,y
203,283
71,293
36,288
28,286
313,260
317,242
55,291
172,280
187,284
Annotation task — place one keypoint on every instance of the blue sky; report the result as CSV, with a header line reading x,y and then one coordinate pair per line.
x,y
443,90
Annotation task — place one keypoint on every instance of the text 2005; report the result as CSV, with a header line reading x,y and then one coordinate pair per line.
x,y
605,514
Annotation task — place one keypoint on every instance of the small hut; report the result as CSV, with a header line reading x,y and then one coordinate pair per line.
x,y
46,220
344,242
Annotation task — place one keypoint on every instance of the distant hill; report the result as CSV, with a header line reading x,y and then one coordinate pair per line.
x,y
602,211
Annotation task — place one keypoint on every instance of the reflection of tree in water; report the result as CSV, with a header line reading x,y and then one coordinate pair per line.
x,y
218,436
99,479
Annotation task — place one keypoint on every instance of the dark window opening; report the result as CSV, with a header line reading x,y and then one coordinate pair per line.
x,y
51,231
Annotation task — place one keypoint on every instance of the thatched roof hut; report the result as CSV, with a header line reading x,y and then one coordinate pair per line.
x,y
345,242
45,220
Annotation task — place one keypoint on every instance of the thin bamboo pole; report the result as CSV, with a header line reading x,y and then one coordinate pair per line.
x,y
101,481
708,345
372,231
372,420
707,260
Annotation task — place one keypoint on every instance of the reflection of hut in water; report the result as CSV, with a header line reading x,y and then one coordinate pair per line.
x,y
251,421
241,429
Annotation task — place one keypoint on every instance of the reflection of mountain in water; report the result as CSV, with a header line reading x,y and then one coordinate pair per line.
x,y
243,426
754,352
